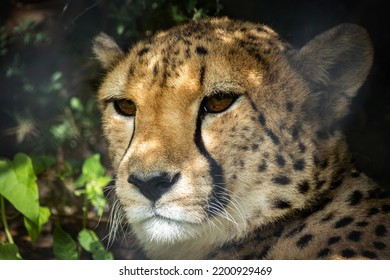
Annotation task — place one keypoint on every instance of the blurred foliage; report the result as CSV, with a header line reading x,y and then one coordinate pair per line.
x,y
50,77
50,118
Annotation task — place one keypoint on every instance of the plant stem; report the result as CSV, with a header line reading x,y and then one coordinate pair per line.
x,y
5,223
85,211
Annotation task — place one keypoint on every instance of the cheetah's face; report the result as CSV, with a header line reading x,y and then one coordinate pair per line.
x,y
209,130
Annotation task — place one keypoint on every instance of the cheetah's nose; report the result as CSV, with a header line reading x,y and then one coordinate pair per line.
x,y
155,185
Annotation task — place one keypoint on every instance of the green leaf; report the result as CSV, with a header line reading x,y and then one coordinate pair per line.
x,y
76,104
18,185
91,170
120,29
35,229
102,255
9,251
176,14
56,76
42,163
94,191
93,179
91,243
64,246
89,240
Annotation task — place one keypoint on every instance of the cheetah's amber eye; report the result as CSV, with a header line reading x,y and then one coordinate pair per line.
x,y
125,107
218,103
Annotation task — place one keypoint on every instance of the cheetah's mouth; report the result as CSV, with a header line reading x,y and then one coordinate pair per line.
x,y
165,230
170,218
165,226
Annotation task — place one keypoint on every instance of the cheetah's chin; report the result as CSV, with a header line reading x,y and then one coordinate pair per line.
x,y
165,230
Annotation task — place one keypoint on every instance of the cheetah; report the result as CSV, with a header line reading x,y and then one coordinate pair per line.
x,y
227,143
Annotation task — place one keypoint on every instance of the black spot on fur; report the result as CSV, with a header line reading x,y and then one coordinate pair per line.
x,y
263,252
324,253
187,53
273,137
327,217
251,256
281,180
262,119
302,148
372,211
348,253
334,239
362,224
369,254
262,166
299,164
244,148
282,204
319,207
320,183
289,106
379,245
278,230
131,70
295,133
280,160
336,183
201,50
343,222
155,70
296,230
304,240
354,236
386,208
355,198
303,187
255,147
143,51
380,230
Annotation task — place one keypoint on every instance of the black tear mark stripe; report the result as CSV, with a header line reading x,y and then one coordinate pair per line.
x,y
219,198
202,73
131,140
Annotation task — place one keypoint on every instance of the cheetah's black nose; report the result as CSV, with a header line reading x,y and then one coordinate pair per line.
x,y
155,185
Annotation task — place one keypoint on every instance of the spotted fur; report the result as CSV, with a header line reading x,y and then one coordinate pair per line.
x,y
270,176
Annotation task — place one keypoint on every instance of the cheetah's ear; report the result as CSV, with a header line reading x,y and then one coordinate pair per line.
x,y
106,50
338,59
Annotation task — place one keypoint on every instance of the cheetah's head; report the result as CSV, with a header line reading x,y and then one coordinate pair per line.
x,y
215,127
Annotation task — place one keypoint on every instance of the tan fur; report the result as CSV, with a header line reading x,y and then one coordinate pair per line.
x,y
277,154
